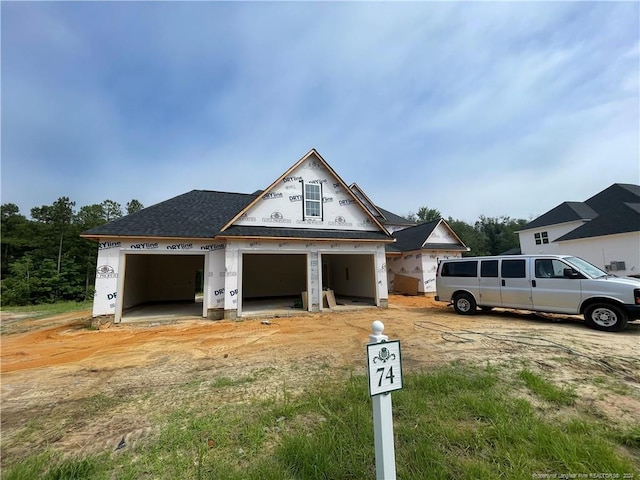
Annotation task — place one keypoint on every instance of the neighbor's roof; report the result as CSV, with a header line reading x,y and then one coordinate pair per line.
x,y
414,238
616,209
623,220
563,213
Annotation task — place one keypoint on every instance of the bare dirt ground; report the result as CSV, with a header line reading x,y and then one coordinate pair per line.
x,y
60,377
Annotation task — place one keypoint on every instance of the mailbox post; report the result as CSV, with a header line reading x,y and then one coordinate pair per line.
x,y
385,375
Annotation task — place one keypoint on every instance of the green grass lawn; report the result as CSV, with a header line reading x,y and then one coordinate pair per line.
x,y
42,310
14,322
452,422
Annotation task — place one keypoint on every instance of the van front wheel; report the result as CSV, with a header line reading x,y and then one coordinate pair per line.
x,y
605,316
464,304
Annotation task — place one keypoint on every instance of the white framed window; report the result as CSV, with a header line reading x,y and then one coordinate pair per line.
x,y
541,238
312,200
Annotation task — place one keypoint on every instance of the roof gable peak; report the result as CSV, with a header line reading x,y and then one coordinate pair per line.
x,y
286,201
425,235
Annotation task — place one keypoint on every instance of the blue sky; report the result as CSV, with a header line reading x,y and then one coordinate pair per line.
x,y
470,108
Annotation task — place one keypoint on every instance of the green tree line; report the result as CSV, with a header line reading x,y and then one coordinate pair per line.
x,y
44,260
487,236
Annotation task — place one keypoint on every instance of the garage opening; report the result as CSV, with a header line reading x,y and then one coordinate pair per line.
x,y
273,282
351,278
158,285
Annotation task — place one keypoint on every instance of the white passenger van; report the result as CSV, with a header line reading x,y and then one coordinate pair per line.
x,y
540,283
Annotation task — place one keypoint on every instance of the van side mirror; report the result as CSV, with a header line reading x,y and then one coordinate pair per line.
x,y
570,273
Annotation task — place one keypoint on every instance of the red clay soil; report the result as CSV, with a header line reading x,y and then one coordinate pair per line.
x,y
61,360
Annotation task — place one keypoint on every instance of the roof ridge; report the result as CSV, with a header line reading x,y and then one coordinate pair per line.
x,y
219,191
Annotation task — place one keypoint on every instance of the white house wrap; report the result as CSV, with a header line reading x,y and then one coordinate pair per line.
x,y
306,232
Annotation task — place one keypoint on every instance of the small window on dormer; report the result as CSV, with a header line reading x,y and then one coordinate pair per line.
x,y
541,238
312,200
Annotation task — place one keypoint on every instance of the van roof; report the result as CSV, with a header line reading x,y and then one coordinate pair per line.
x,y
495,257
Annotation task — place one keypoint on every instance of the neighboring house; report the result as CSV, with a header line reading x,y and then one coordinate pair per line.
x,y
307,232
604,230
418,249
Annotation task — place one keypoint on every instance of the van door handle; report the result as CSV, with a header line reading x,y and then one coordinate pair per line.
x,y
503,284
533,283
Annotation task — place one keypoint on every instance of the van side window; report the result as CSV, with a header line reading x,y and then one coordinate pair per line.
x,y
549,268
544,268
489,268
513,269
460,269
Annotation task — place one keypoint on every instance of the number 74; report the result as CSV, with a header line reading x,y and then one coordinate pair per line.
x,y
389,376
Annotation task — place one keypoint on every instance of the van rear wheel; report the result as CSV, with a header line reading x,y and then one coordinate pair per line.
x,y
464,304
606,317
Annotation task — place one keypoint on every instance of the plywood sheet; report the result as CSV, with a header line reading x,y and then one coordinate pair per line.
x,y
406,285
331,298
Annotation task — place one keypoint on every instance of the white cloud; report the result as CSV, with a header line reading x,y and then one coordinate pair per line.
x,y
461,107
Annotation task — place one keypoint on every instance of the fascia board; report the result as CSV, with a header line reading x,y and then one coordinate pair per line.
x,y
357,187
426,240
353,195
453,233
579,222
307,239
97,238
448,227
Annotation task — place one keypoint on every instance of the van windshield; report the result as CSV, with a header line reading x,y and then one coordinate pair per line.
x,y
585,267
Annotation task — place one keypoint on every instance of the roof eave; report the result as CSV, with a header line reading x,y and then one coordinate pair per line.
x,y
315,239
581,220
97,238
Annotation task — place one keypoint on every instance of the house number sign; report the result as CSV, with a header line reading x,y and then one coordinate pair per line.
x,y
385,367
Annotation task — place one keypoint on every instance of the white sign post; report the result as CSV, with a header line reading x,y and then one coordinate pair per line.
x,y
385,375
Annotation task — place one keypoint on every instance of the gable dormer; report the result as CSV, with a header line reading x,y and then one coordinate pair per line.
x,y
442,234
310,194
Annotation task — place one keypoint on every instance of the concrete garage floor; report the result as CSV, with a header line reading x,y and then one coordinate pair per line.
x,y
150,312
283,307
267,308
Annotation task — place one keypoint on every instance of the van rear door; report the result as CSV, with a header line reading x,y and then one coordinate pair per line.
x,y
515,287
551,290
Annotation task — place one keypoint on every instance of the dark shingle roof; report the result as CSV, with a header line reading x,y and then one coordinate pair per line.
x,y
202,213
513,251
393,219
634,206
563,213
414,238
617,194
613,210
196,214
248,231
624,219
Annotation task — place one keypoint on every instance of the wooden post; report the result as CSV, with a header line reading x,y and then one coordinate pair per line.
x,y
383,421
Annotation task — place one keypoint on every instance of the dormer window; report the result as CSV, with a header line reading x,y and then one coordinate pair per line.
x,y
312,200
541,238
